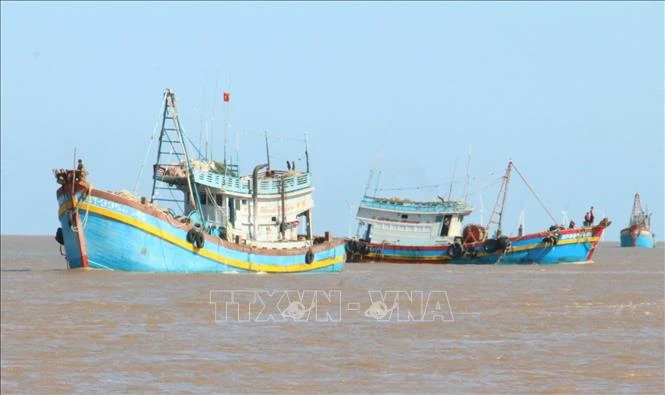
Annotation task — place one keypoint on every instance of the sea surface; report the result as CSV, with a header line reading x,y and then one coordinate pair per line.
x,y
594,328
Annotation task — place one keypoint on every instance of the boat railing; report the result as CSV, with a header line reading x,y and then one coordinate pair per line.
x,y
450,206
244,185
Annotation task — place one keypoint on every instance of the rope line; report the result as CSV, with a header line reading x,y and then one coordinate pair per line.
x,y
536,195
152,138
444,183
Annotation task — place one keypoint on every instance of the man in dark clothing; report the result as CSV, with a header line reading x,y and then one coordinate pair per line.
x,y
81,172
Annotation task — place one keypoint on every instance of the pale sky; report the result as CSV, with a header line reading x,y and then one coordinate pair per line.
x,y
571,92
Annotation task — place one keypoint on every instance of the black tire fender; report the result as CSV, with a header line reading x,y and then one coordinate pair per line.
x,y
199,240
59,237
490,246
309,256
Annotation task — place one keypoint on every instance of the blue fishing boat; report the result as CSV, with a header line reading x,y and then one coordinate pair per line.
x,y
226,222
638,233
403,231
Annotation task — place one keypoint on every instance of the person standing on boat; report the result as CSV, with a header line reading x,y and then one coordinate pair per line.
x,y
589,217
81,172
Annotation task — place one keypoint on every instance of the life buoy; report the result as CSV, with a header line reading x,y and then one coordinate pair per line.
x,y
309,256
59,237
455,250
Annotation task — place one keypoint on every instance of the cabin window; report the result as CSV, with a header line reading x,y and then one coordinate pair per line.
x,y
244,201
438,218
274,219
203,198
219,200
445,225
405,216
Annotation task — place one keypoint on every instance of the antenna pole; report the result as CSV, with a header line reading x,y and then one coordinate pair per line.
x,y
376,186
203,98
369,180
226,127
468,175
227,110
450,192
212,122
307,152
238,148
267,149
482,209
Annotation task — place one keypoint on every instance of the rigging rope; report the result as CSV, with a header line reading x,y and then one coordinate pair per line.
x,y
445,183
534,194
487,186
152,138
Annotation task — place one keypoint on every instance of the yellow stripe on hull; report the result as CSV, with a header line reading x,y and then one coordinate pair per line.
x,y
256,267
480,254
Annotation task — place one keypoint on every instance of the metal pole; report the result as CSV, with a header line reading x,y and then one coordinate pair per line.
x,y
307,152
267,149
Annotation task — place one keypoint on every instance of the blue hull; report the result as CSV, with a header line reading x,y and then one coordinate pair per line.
x,y
109,234
641,239
571,246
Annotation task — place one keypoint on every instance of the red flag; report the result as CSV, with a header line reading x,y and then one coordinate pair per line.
x,y
227,96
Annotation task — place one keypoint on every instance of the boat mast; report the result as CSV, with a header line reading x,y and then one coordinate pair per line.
x,y
172,148
500,203
637,213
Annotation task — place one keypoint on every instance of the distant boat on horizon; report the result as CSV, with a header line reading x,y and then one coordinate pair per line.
x,y
222,222
638,233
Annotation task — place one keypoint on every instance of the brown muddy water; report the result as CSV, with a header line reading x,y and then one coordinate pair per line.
x,y
595,328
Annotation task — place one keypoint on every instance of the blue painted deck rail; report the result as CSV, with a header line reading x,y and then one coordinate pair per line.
x,y
244,185
430,207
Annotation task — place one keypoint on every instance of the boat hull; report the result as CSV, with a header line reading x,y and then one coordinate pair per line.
x,y
637,237
566,246
102,230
